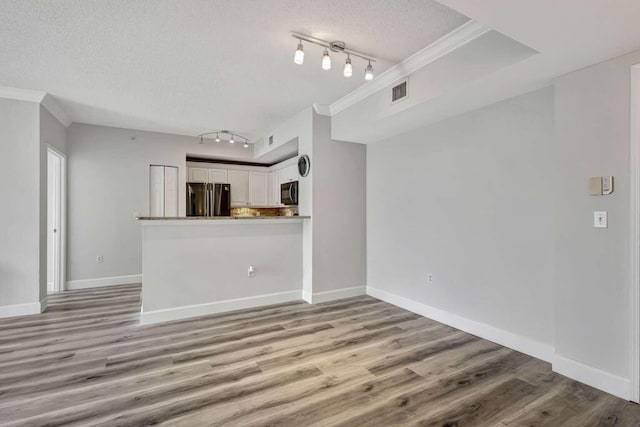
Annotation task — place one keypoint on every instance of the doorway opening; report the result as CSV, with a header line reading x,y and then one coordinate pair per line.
x,y
55,220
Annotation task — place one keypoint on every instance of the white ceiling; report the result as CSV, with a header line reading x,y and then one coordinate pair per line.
x,y
189,66
567,34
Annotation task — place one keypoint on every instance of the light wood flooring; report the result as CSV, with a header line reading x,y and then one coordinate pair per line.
x,y
354,362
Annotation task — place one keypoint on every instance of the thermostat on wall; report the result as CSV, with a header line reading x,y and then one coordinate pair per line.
x,y
600,185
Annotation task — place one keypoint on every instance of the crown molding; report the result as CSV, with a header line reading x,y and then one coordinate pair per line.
x,y
322,109
50,103
444,45
21,94
39,97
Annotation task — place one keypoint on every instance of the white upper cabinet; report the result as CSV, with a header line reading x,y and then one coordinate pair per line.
x,y
290,173
258,185
198,175
239,181
274,188
218,176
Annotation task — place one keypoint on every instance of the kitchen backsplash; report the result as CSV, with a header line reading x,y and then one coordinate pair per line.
x,y
285,211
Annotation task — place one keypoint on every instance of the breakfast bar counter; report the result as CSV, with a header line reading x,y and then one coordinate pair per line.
x,y
194,266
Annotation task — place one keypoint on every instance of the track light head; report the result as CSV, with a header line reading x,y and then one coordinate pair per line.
x,y
298,58
368,72
246,144
326,60
217,138
201,140
232,141
348,68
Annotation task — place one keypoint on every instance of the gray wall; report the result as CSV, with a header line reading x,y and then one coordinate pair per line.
x,y
339,205
108,180
469,200
19,191
592,272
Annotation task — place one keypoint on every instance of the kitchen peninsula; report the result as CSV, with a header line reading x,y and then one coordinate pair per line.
x,y
194,266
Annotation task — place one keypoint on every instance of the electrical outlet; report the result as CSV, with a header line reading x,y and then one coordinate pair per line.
x,y
430,278
99,259
251,271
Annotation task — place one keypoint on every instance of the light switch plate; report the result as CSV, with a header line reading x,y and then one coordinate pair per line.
x,y
600,219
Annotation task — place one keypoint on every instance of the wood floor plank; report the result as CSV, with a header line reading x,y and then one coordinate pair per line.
x,y
357,361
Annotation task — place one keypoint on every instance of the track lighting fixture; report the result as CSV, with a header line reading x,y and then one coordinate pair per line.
x,y
233,137
348,69
298,58
368,72
326,60
335,46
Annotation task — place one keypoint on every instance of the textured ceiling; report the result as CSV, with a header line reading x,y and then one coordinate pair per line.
x,y
189,66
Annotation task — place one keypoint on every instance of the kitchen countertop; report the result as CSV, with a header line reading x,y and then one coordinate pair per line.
x,y
217,218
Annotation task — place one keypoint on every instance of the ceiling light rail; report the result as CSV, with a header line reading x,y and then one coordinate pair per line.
x,y
334,46
224,135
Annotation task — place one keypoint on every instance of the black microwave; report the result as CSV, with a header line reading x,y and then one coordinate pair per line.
x,y
289,193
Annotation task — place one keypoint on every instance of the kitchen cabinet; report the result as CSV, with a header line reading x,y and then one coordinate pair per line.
x,y
289,173
258,186
218,176
197,175
239,181
274,188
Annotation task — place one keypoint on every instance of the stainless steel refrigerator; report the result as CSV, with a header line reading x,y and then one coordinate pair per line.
x,y
208,199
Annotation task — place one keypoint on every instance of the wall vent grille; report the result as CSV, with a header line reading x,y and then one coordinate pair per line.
x,y
399,92
271,140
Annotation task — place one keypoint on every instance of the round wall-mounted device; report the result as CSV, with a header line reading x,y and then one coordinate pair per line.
x,y
304,164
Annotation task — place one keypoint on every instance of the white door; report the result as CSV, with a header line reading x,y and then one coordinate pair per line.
x,y
218,176
170,191
198,175
55,220
239,181
156,190
258,184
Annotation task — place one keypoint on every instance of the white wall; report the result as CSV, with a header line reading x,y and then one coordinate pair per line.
x,y
19,191
200,267
108,180
338,216
469,200
592,273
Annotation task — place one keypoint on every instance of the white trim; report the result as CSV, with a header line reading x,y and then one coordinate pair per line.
x,y
42,98
55,109
594,377
307,296
634,203
177,313
22,94
103,281
517,342
318,297
43,304
322,109
446,44
21,309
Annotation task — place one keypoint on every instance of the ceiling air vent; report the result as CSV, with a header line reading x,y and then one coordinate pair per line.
x,y
399,92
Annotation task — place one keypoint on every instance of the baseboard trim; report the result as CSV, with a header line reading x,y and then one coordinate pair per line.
x,y
21,309
612,384
169,314
103,281
519,343
337,294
